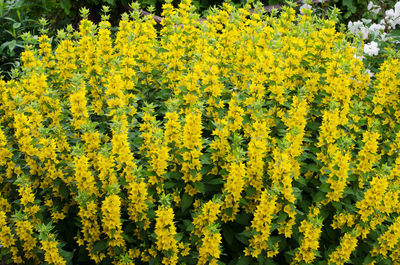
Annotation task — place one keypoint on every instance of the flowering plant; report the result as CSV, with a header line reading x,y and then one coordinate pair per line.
x,y
378,30
247,138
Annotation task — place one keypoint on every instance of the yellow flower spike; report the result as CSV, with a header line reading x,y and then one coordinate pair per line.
x,y
25,231
165,231
111,221
6,236
192,141
261,224
209,214
66,57
311,230
83,176
90,226
338,177
373,198
342,253
137,207
209,251
78,103
233,189
51,252
368,156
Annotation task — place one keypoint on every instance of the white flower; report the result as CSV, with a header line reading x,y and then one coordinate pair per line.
x,y
355,26
364,32
369,73
377,30
358,57
393,16
390,15
358,28
304,7
373,8
370,5
397,8
371,49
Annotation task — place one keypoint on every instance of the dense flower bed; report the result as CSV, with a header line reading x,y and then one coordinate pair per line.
x,y
247,138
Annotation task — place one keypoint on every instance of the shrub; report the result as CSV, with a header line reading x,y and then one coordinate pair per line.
x,y
378,32
243,139
15,18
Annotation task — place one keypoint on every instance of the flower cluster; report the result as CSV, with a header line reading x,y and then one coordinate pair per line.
x,y
245,138
376,32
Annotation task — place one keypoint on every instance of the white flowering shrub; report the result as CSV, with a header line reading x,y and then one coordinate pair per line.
x,y
379,32
376,35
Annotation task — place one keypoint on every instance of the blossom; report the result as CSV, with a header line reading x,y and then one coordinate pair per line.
x,y
342,254
393,16
165,231
112,224
304,7
359,28
309,243
373,8
371,49
209,250
261,224
51,253
377,30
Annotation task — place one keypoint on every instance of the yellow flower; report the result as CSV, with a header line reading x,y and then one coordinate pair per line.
x,y
112,225
27,195
51,252
342,254
165,231
208,215
338,175
233,189
209,250
309,243
388,241
373,197
138,207
24,230
83,176
261,224
78,103
6,236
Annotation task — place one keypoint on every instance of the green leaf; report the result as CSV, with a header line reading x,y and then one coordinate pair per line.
x,y
244,237
312,167
66,6
250,190
215,181
325,187
63,190
128,238
313,125
67,256
111,2
244,261
16,25
319,196
169,185
189,225
1,7
99,246
200,186
205,159
227,232
243,218
186,202
11,45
